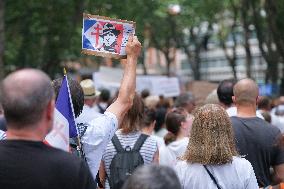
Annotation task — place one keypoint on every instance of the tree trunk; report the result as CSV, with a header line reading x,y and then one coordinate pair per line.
x,y
244,9
145,48
271,10
196,63
143,61
189,58
2,39
272,70
233,57
271,74
165,50
270,55
196,57
248,60
272,61
282,85
233,67
168,60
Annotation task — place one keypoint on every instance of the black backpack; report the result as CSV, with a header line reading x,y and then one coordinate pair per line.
x,y
125,161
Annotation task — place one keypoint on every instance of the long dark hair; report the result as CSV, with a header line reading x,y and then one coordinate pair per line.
x,y
133,117
149,117
77,94
173,123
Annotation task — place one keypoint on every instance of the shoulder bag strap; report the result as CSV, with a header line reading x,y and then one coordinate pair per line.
x,y
140,141
101,109
212,177
115,141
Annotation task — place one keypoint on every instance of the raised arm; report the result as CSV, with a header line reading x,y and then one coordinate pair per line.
x,y
128,84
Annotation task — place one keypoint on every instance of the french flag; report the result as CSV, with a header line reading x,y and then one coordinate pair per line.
x,y
64,126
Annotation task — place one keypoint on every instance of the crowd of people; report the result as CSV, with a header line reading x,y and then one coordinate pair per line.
x,y
232,140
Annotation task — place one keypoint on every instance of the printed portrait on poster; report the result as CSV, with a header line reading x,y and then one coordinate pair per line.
x,y
103,36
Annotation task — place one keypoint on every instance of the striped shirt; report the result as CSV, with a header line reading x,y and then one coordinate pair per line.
x,y
2,135
147,151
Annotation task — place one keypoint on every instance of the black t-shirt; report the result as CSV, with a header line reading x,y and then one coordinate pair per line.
x,y
34,165
257,140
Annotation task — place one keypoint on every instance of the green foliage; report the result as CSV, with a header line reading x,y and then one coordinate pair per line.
x,y
43,33
40,33
280,14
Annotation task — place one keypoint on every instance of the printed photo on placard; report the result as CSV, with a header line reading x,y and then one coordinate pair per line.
x,y
103,36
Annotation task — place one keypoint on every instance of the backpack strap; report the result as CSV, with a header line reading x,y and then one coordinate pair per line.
x,y
140,141
101,110
115,141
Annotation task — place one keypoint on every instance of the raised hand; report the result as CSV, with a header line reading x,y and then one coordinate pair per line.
x,y
133,47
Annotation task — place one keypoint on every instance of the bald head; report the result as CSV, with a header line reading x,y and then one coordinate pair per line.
x,y
25,95
245,91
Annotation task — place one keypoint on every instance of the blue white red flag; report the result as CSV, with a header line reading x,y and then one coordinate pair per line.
x,y
104,36
64,123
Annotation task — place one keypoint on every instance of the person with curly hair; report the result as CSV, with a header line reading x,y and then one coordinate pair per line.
x,y
211,159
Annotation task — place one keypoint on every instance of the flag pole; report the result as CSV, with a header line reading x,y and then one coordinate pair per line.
x,y
64,72
79,146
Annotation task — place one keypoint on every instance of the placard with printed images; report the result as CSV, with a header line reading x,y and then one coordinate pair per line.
x,y
107,37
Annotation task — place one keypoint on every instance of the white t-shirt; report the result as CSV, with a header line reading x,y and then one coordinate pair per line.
x,y
160,141
96,138
168,154
236,175
88,114
278,121
161,133
102,104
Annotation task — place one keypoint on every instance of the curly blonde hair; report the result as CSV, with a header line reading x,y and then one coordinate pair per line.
x,y
211,139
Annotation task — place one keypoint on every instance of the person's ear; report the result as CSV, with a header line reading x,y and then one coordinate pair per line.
x,y
183,124
50,109
153,124
234,99
257,100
